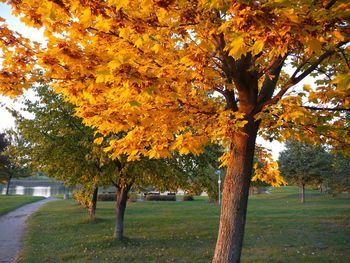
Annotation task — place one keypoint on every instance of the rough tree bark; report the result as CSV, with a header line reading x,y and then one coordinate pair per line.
x,y
92,210
302,193
121,201
235,196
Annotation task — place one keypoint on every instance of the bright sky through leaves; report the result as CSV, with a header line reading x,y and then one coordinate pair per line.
x,y
6,120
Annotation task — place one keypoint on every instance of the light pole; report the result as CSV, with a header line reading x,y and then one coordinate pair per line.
x,y
218,172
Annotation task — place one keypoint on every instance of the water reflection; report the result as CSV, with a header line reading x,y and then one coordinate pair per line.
x,y
45,191
42,191
19,190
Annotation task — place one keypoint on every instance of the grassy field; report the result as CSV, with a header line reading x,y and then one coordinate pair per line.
x,y
11,202
279,229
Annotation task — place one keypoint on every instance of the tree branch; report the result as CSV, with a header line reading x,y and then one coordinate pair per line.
x,y
330,4
269,84
300,67
296,79
345,58
315,131
326,109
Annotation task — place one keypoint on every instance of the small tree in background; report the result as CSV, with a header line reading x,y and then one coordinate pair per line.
x,y
303,164
340,179
200,171
58,143
12,163
4,176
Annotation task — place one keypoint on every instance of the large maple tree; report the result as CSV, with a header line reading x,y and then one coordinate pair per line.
x,y
177,74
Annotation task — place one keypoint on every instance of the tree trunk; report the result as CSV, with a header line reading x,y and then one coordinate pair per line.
x,y
92,210
8,184
121,200
302,193
235,196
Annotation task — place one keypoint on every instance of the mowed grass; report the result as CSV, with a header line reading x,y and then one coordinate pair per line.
x,y
11,202
279,229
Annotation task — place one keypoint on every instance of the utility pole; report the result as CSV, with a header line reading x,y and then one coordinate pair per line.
x,y
218,172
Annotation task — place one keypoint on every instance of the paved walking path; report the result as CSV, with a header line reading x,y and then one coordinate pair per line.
x,y
12,227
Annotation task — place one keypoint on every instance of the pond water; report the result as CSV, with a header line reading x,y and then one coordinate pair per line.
x,y
45,191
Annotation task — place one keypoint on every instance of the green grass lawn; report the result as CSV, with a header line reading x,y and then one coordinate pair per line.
x,y
279,229
11,202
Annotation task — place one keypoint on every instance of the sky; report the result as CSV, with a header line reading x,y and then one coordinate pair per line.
x,y
14,23
7,121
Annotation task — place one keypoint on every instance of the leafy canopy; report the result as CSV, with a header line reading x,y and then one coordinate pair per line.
x,y
58,144
175,75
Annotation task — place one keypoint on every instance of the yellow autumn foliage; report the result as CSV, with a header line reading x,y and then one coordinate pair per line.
x,y
176,75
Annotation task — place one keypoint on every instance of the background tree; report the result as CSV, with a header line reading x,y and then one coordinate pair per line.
x,y
339,181
200,171
58,144
303,164
176,75
4,162
266,172
12,163
3,158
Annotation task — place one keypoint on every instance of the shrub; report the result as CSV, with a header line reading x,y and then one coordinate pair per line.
x,y
106,197
132,197
160,198
83,198
187,198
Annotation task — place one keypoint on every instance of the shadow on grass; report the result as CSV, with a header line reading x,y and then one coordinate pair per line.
x,y
297,196
97,220
148,243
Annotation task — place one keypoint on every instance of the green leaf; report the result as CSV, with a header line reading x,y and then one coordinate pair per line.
x,y
135,103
